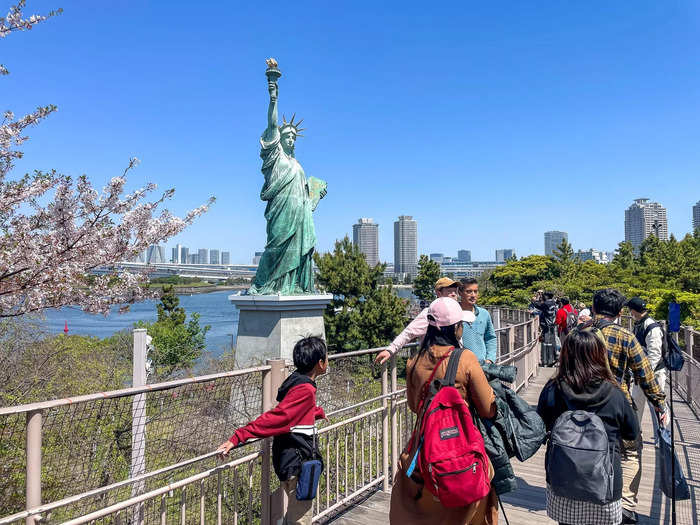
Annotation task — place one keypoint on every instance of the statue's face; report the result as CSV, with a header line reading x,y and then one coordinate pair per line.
x,y
288,140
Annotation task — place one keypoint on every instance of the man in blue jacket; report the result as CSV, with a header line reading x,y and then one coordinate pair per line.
x,y
478,335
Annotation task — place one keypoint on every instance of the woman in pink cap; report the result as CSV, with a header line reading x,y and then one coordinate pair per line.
x,y
410,504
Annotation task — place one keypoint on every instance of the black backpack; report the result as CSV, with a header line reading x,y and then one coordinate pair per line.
x,y
671,354
571,321
579,458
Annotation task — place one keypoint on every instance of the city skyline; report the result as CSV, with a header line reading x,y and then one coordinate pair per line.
x,y
625,79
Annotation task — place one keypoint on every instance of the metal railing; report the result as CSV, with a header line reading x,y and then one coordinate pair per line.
x,y
76,454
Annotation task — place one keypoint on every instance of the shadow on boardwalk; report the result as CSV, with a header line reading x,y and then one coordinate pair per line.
x,y
527,505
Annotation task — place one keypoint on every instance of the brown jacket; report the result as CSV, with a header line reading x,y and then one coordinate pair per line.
x,y
410,505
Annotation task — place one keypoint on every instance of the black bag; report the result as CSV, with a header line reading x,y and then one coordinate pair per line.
x,y
579,458
309,475
670,468
671,353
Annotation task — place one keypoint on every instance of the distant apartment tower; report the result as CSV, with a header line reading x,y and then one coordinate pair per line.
x,y
644,218
406,245
202,256
213,256
256,257
176,254
184,255
464,255
365,235
504,254
193,258
553,239
437,257
225,257
155,254
696,216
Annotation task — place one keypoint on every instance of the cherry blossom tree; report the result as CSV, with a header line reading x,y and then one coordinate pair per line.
x,y
54,230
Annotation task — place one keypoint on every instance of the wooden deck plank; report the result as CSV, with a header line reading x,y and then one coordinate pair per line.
x,y
527,505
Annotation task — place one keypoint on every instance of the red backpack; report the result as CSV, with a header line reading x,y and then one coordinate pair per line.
x,y
450,454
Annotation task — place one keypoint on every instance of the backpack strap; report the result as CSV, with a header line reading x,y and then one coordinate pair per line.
x,y
650,328
452,367
602,323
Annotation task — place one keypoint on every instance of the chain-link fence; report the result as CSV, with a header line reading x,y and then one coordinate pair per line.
x,y
89,442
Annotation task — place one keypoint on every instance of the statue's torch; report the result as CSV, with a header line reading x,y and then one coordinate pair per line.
x,y
273,74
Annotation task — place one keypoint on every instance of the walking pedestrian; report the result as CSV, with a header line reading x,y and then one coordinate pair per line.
x,y
650,336
627,360
411,502
584,383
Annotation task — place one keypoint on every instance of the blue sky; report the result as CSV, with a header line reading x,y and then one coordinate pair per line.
x,y
488,123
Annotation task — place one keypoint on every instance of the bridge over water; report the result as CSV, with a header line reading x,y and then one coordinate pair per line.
x,y
144,454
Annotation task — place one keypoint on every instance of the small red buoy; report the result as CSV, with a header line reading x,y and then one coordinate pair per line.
x,y
65,328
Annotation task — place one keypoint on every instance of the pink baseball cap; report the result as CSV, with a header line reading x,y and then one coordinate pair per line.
x,y
444,311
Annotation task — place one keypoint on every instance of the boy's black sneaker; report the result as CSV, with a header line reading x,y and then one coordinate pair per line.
x,y
629,516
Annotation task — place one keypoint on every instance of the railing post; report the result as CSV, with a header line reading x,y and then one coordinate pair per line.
x,y
394,422
496,318
265,446
33,487
385,426
510,330
689,369
138,420
274,506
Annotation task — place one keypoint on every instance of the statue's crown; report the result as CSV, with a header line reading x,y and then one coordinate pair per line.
x,y
291,126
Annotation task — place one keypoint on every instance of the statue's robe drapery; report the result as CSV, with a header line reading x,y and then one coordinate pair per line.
x,y
286,264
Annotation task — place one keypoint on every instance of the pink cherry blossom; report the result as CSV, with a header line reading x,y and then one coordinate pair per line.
x,y
54,231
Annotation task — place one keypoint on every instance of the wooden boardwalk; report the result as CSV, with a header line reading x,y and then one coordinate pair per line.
x,y
527,505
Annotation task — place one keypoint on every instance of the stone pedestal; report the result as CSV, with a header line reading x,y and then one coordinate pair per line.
x,y
270,325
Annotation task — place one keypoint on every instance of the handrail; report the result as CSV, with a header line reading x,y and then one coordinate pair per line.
x,y
43,405
162,490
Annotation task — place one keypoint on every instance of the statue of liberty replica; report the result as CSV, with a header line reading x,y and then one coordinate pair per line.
x,y
286,266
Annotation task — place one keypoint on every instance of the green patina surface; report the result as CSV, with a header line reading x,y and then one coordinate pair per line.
x,y
286,266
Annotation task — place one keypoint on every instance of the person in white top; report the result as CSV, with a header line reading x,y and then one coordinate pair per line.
x,y
444,287
650,335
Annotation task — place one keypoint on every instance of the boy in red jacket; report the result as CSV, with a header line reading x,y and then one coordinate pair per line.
x,y
292,423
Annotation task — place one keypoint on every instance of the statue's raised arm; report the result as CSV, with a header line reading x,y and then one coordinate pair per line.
x,y
273,74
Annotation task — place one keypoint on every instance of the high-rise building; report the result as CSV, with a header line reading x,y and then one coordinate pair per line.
x,y
225,257
696,216
213,256
552,239
176,254
256,257
184,255
155,254
192,258
464,255
504,254
202,256
406,246
644,218
365,235
437,257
